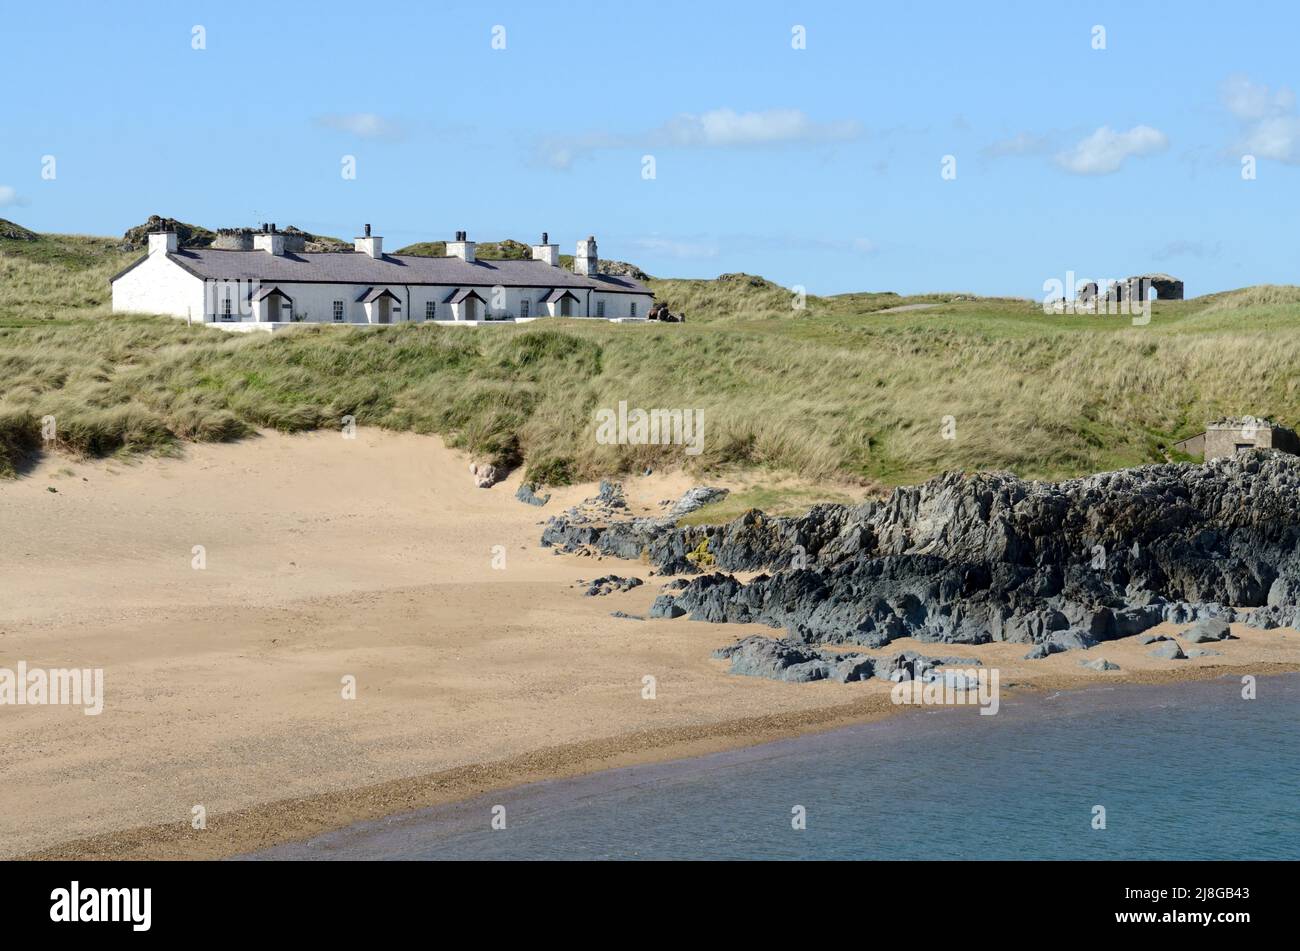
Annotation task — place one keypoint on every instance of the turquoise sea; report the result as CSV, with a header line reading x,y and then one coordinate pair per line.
x,y
1183,771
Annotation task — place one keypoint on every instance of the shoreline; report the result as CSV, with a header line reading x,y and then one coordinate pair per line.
x,y
222,685
281,822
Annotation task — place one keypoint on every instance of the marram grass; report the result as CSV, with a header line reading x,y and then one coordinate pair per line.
x,y
841,390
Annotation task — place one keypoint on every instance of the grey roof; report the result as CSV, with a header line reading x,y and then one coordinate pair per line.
x,y
351,267
457,297
372,294
555,296
266,290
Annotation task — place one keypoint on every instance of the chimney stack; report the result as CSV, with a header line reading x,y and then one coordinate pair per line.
x,y
461,247
585,261
269,240
550,253
163,242
372,245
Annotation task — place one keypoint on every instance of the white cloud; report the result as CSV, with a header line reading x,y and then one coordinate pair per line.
x,y
1105,150
1251,101
1270,128
717,129
364,125
8,196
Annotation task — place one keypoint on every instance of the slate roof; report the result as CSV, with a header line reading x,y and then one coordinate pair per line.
x,y
458,297
351,267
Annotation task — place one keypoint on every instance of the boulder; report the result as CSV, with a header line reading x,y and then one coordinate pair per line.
x,y
666,606
527,493
484,473
1100,663
1169,650
1206,630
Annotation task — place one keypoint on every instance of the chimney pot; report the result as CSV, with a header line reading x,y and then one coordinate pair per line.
x,y
545,238
367,231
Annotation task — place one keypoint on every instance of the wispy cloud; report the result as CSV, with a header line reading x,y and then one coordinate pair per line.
x,y
718,129
669,247
1270,128
9,197
1104,151
1022,143
364,125
1188,249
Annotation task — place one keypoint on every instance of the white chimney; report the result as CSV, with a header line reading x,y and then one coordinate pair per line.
x,y
372,245
461,247
550,253
585,261
270,240
163,242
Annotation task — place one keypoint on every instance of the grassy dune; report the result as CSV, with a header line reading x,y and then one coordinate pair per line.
x,y
842,390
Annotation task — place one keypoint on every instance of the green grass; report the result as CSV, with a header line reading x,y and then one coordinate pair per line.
x,y
843,390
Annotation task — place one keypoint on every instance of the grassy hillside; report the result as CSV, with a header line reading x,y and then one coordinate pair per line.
x,y
845,389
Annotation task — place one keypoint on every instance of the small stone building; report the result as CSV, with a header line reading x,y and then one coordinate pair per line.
x,y
1233,434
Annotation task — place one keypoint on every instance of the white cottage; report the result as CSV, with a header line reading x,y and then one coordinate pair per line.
x,y
270,286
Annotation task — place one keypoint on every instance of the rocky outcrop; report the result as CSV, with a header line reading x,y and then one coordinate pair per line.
x,y
187,235
527,493
15,232
784,659
991,557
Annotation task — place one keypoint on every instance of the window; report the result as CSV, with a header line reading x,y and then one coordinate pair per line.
x,y
397,311
430,310
633,314
523,307
600,308
338,311
226,309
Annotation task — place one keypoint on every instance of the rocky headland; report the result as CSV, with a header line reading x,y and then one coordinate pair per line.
x,y
969,559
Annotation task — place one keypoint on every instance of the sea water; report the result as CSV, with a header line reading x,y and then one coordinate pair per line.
x,y
1178,771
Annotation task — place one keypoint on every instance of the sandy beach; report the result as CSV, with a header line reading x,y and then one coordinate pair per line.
x,y
373,558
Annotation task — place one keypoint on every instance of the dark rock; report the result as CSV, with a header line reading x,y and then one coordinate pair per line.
x,y
611,583
1153,638
625,616
666,606
527,493
988,556
1206,630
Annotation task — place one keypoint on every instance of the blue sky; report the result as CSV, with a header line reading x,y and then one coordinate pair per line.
x,y
818,166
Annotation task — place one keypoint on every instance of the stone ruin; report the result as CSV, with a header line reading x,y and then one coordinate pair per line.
x,y
1138,287
241,239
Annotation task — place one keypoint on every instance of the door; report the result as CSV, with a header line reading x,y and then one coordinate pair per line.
x,y
566,306
385,310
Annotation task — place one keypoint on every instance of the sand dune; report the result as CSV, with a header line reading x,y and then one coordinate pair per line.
x,y
370,558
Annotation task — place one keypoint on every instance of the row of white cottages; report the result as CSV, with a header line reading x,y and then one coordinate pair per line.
x,y
270,288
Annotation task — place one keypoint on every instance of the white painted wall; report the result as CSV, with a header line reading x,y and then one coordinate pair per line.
x,y
159,286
